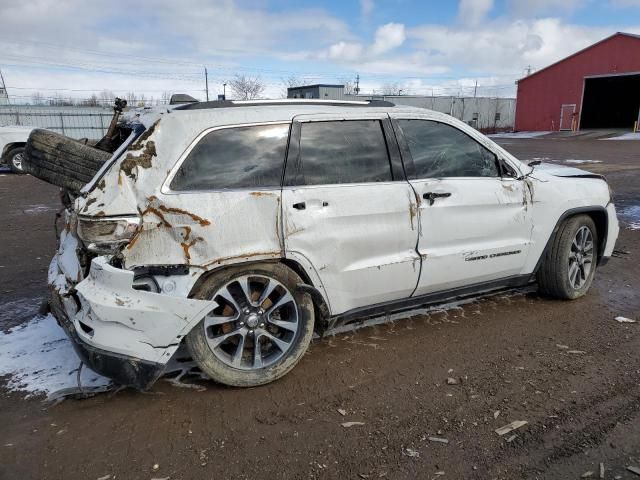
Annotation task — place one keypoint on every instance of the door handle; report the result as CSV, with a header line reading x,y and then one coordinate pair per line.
x,y
431,196
300,205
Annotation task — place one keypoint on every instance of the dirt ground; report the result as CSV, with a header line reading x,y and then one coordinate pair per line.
x,y
582,408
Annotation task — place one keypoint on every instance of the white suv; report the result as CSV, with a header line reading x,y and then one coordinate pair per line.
x,y
239,228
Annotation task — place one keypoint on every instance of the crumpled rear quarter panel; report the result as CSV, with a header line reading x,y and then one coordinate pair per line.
x,y
199,229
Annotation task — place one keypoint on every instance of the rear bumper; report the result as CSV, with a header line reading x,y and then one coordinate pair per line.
x,y
125,334
121,369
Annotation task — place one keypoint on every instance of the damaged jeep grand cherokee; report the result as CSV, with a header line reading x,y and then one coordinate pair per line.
x,y
240,228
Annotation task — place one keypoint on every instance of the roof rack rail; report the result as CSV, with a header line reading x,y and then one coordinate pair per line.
x,y
287,101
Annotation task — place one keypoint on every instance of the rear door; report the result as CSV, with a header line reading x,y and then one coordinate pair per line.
x,y
475,225
348,210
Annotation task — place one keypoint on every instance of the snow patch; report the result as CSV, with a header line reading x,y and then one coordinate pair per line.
x,y
39,359
626,136
571,160
518,135
37,209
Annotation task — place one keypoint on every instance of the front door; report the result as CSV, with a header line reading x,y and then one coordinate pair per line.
x,y
349,211
566,116
475,225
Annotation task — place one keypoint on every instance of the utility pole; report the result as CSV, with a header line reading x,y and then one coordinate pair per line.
x,y
206,82
357,89
3,89
528,70
224,91
475,89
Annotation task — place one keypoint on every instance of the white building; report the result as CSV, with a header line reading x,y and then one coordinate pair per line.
x,y
487,114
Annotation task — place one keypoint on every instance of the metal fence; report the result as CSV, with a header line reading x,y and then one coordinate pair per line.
x,y
74,122
487,114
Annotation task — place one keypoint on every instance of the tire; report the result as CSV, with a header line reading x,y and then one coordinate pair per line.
x,y
224,362
14,158
61,160
557,276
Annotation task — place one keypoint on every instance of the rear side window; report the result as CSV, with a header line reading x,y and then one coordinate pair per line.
x,y
440,150
352,151
231,158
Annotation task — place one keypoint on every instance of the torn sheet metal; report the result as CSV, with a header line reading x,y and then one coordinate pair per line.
x,y
131,322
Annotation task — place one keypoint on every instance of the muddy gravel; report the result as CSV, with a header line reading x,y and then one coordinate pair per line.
x,y
426,392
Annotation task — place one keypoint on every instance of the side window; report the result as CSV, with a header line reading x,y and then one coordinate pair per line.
x,y
440,150
351,151
239,157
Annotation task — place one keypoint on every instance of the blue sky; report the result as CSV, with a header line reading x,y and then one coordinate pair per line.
x,y
75,48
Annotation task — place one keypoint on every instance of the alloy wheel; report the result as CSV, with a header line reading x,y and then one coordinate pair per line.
x,y
581,257
16,161
255,323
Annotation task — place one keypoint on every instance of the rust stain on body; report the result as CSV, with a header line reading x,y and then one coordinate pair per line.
x,y
159,214
262,194
139,143
141,161
135,238
202,221
235,257
186,247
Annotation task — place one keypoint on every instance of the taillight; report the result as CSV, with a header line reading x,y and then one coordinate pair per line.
x,y
105,235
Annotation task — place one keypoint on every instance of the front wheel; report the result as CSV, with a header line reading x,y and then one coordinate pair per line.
x,y
15,157
570,263
260,329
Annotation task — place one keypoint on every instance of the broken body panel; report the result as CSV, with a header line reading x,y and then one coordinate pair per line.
x,y
356,245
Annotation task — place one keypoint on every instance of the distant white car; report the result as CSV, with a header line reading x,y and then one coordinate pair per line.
x,y
239,228
12,142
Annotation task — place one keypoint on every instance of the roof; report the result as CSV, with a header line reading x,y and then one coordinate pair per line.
x,y
316,85
617,34
287,102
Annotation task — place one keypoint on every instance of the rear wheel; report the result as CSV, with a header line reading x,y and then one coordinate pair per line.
x,y
569,266
15,157
260,329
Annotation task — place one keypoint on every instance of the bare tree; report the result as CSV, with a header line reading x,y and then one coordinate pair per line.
x,y
290,82
349,86
391,89
92,101
37,99
107,97
246,88
166,97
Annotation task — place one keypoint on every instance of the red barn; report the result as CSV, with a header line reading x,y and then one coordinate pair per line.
x,y
598,87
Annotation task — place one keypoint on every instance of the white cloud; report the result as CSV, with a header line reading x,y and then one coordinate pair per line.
x,y
343,51
504,46
366,7
388,37
472,12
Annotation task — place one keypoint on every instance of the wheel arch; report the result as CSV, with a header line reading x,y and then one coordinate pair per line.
x,y
321,306
599,216
10,146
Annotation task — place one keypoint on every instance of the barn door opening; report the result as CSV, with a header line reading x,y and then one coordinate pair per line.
x,y
611,101
566,116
